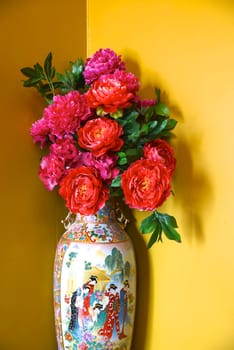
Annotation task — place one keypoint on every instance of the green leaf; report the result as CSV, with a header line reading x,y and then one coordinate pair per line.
x,y
122,158
171,123
116,182
170,232
153,124
162,110
132,152
149,224
39,71
47,65
160,127
122,161
156,236
31,82
144,129
169,220
28,72
148,113
52,73
157,93
77,67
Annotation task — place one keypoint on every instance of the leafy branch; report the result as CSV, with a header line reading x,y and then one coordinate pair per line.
x,y
46,80
156,224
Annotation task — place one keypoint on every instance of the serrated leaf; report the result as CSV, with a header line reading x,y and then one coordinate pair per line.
x,y
149,224
170,232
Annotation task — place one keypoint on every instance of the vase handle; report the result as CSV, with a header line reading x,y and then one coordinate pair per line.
x,y
69,220
120,217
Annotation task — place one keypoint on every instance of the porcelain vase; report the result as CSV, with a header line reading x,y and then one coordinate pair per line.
x,y
94,284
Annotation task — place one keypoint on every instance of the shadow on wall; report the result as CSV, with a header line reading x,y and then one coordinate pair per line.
x,y
143,284
194,189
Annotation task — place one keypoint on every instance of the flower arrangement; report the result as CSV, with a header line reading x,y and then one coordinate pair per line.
x,y
104,140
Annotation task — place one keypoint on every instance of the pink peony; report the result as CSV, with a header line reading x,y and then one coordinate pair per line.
x,y
127,78
39,131
106,165
146,103
67,150
51,171
104,61
65,113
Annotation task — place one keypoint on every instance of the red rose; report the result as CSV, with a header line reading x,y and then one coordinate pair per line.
x,y
100,136
160,150
146,184
83,190
110,94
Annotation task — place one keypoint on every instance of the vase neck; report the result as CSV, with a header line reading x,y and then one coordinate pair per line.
x,y
110,212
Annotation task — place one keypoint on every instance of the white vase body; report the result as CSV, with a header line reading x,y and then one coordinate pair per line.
x,y
94,285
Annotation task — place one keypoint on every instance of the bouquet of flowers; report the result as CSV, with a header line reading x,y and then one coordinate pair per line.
x,y
104,140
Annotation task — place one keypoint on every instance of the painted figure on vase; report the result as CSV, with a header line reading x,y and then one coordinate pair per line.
x,y
123,315
80,305
112,317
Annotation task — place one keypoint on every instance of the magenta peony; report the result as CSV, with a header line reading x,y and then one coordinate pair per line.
x,y
51,171
39,131
66,150
104,61
65,113
105,164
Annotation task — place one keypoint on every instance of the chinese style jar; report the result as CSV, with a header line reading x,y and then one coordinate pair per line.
x,y
94,284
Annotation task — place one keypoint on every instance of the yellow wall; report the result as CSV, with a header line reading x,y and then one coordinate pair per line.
x,y
30,215
186,48
185,292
